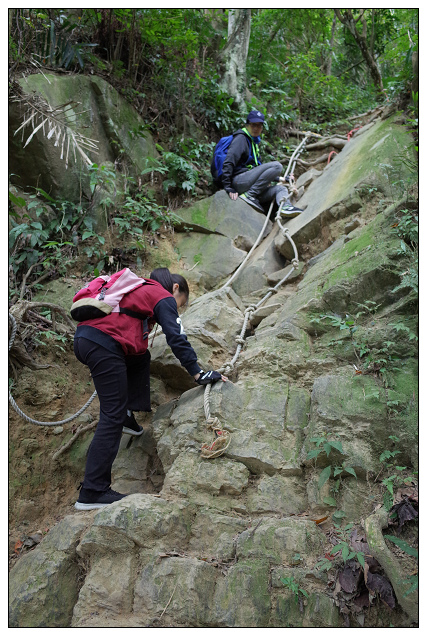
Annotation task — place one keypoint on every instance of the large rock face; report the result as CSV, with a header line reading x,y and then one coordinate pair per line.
x,y
216,544
102,115
367,160
223,231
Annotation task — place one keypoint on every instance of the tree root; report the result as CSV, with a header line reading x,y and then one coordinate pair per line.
x,y
20,309
374,525
80,430
308,164
336,142
25,310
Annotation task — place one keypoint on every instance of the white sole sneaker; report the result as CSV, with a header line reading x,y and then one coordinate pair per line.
x,y
93,506
130,431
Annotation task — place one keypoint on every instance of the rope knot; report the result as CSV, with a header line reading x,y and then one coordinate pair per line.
x,y
213,423
240,340
295,263
228,368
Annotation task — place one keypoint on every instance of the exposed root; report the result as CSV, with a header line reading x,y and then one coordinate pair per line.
x,y
26,316
80,430
374,525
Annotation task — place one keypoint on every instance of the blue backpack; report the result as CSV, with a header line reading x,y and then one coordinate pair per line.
x,y
220,153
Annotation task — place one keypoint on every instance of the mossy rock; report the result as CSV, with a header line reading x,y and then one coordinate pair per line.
x,y
242,598
105,116
44,584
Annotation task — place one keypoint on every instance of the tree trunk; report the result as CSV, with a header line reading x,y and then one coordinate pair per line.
x,y
350,21
235,54
372,33
331,46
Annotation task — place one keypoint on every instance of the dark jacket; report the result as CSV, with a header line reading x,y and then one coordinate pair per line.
x,y
128,333
239,158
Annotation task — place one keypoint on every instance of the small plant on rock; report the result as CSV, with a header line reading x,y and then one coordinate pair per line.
x,y
293,586
325,444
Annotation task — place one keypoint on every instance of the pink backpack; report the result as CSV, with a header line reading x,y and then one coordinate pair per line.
x,y
102,296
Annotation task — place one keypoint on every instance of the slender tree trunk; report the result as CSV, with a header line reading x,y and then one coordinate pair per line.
x,y
331,46
372,33
350,21
235,54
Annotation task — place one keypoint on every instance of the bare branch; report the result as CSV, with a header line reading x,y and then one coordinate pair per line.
x,y
80,431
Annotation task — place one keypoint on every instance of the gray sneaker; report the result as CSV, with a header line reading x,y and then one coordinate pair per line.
x,y
251,201
289,211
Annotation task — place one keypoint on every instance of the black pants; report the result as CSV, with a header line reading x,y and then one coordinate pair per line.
x,y
122,383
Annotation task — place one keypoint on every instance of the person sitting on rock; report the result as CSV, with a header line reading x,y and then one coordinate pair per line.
x,y
115,348
245,176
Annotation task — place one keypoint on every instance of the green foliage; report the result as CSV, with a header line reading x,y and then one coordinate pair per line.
x,y
293,586
403,545
38,234
56,47
342,549
371,359
181,172
407,229
394,480
59,340
325,444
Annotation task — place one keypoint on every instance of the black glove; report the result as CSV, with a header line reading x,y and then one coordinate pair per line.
x,y
208,377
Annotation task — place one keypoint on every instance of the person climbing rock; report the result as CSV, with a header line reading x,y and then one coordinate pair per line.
x,y
242,174
115,350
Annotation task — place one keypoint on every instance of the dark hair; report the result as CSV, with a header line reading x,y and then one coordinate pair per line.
x,y
167,280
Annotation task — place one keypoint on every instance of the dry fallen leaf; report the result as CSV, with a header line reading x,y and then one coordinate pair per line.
x,y
18,546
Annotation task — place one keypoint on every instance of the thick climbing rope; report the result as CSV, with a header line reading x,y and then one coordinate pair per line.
x,y
222,437
21,413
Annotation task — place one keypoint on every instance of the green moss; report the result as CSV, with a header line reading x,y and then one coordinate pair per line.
x,y
199,213
368,158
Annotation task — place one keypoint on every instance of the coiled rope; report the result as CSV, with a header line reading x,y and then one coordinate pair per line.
x,y
222,437
21,413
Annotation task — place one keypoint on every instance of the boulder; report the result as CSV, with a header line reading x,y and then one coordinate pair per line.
x,y
281,494
191,474
137,521
214,535
276,277
108,588
263,262
220,215
105,116
44,584
277,540
242,598
188,583
354,411
201,255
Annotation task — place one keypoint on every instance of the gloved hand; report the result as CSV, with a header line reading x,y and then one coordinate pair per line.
x,y
208,377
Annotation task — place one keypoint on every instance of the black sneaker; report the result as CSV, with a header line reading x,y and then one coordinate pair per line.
x,y
91,499
290,211
132,427
251,201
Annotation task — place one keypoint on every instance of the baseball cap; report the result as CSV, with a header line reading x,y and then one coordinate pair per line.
x,y
255,116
